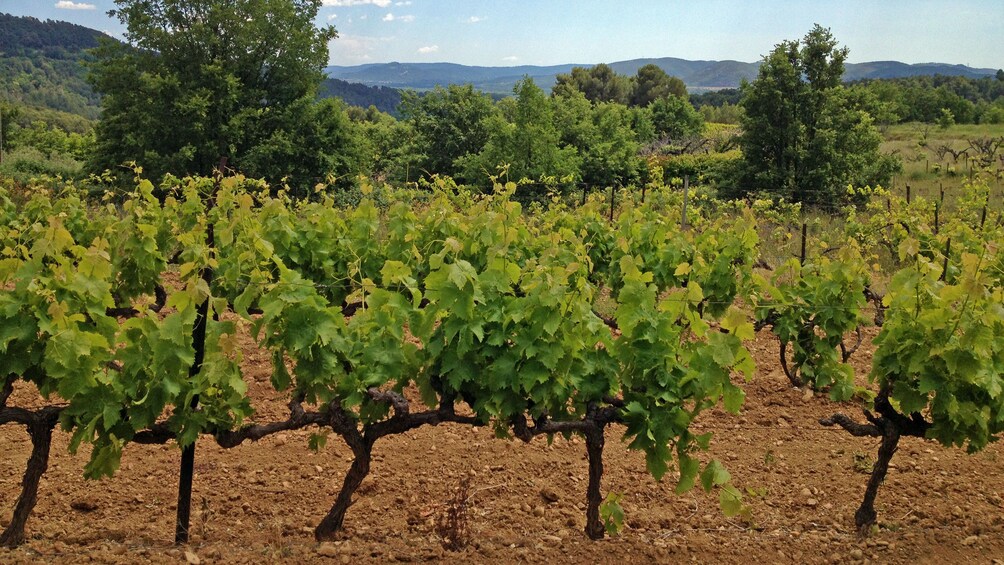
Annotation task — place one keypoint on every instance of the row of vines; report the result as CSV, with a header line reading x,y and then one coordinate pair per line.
x,y
123,316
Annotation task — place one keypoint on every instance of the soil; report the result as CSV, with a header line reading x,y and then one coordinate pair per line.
x,y
259,502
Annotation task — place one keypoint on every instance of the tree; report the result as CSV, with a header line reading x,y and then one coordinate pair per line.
x,y
524,138
652,83
598,84
674,118
724,114
203,79
994,114
392,149
882,99
41,64
802,137
8,114
450,123
603,134
946,119
293,142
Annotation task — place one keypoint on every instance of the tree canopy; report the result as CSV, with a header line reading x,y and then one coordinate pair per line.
x,y
524,137
40,64
450,123
802,138
203,79
651,83
601,83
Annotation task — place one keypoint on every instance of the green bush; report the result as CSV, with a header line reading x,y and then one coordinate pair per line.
x,y
715,169
26,163
994,115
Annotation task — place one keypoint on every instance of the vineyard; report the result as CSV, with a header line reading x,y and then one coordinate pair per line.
x,y
437,374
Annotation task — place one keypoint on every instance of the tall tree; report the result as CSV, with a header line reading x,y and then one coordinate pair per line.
x,y
673,117
393,151
8,114
652,83
598,84
803,139
450,123
525,138
603,135
202,79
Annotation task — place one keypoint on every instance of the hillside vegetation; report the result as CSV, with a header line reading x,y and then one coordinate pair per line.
x,y
41,64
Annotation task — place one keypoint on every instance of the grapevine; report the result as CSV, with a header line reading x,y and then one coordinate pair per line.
x,y
810,308
463,300
937,365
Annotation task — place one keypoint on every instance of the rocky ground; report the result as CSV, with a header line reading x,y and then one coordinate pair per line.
x,y
259,502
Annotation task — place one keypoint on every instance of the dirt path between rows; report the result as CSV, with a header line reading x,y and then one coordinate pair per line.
x,y
259,502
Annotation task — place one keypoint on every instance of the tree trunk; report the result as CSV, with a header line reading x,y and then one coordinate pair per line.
x,y
332,523
40,429
865,515
594,450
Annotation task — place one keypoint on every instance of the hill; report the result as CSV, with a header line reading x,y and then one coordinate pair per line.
x,y
43,67
41,64
356,94
698,75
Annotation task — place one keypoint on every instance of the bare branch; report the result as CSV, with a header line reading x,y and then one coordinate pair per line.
x,y
880,308
854,428
16,416
610,322
400,403
298,419
130,312
769,320
614,401
845,352
157,434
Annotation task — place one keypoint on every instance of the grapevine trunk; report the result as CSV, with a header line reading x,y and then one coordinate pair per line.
x,y
40,425
865,515
332,522
594,449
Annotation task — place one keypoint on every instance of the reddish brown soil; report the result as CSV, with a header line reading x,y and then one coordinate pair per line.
x,y
259,502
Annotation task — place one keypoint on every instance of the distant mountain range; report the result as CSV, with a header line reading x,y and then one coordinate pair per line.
x,y
698,75
41,66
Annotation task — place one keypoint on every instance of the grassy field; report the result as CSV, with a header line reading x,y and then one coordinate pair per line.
x,y
936,159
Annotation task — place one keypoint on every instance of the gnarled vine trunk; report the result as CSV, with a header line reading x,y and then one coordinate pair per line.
x,y
594,450
865,515
40,425
332,522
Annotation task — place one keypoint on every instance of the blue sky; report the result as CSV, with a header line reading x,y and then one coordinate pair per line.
x,y
545,32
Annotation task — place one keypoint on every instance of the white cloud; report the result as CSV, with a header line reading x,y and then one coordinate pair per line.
x,y
405,3
380,3
510,59
474,19
392,18
349,49
332,17
69,5
428,49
